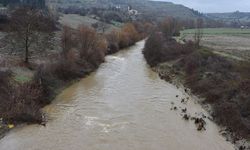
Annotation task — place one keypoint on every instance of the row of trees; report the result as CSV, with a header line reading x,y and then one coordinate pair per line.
x,y
31,3
91,47
171,27
28,25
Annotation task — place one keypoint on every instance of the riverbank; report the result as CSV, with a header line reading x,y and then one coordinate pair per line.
x,y
24,99
220,82
167,72
123,105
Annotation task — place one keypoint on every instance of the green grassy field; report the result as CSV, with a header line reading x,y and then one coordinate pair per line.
x,y
218,31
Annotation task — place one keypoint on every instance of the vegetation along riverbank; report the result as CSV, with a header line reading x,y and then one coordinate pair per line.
x,y
222,82
28,84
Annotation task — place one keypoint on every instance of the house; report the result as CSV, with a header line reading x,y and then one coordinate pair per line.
x,y
132,12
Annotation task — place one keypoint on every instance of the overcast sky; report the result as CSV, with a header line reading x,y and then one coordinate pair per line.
x,y
215,5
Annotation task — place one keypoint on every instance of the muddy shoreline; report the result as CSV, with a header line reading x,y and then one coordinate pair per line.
x,y
5,127
169,74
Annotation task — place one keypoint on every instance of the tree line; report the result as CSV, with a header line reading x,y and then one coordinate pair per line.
x,y
32,3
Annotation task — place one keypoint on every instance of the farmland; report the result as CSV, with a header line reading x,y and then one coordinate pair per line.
x,y
225,41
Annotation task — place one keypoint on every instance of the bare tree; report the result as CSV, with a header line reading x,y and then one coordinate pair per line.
x,y
26,25
87,39
67,40
199,32
170,27
92,47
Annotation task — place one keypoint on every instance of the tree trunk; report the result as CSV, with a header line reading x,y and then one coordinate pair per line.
x,y
26,50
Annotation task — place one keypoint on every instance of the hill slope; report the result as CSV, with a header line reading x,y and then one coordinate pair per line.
x,y
235,18
151,9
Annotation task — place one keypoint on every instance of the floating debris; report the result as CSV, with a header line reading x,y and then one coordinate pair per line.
x,y
204,116
200,123
210,118
10,126
242,148
186,117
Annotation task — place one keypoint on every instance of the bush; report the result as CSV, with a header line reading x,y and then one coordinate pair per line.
x,y
67,40
113,42
228,114
144,29
131,33
92,46
19,103
159,49
5,86
153,49
126,37
124,40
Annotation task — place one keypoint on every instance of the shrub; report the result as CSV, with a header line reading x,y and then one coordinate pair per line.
x,y
65,70
123,40
92,46
159,49
131,34
228,114
113,42
5,87
23,106
153,48
67,40
143,29
19,103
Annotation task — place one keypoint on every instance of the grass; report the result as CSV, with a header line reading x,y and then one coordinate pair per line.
x,y
22,79
117,24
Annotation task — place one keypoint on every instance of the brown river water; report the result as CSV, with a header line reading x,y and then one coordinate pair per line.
x,y
122,106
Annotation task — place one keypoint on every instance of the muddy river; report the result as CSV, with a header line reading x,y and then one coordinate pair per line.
x,y
122,106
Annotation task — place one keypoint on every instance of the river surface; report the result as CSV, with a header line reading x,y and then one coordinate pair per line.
x,y
122,106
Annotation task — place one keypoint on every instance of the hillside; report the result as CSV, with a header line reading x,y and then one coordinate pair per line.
x,y
153,10
234,18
